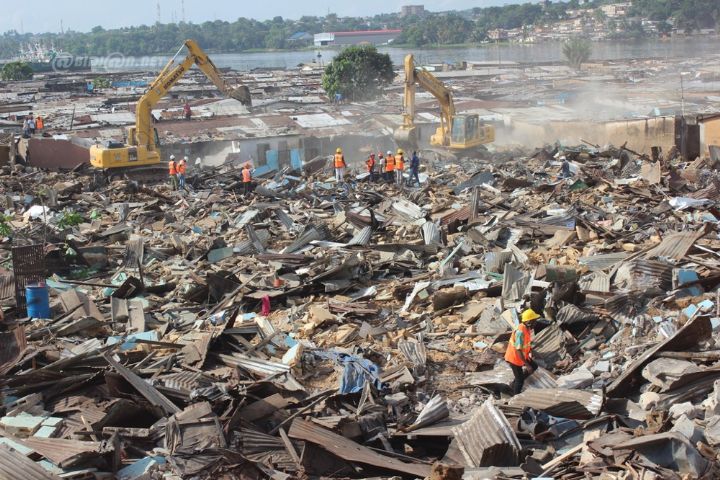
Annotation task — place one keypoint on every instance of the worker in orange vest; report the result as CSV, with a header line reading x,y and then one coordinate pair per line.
x,y
181,169
246,178
389,166
519,349
399,167
370,162
172,171
39,123
339,165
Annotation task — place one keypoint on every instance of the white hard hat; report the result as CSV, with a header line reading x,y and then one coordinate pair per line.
x,y
389,152
185,158
172,157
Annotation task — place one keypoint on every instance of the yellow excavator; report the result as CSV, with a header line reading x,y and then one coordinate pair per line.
x,y
141,149
456,132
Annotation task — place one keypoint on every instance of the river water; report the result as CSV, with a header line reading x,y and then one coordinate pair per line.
x,y
527,53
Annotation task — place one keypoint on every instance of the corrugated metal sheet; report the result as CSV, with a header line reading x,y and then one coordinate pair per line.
x,y
561,402
246,247
642,275
676,245
245,217
487,438
414,351
63,453
602,262
351,451
495,261
14,465
515,283
361,238
7,286
311,233
255,365
595,282
549,345
570,314
625,307
434,411
431,233
407,210
456,216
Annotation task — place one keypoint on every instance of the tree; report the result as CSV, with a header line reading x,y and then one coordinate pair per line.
x,y
577,51
358,72
16,71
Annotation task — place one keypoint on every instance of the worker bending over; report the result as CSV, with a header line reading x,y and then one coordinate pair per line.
x,y
246,178
339,166
399,167
370,162
519,350
172,171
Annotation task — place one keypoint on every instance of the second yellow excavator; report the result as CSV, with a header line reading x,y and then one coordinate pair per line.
x,y
141,149
456,132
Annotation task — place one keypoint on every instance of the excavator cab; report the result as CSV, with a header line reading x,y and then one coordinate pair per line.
x,y
467,132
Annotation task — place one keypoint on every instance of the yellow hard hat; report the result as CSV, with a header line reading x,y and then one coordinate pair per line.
x,y
400,151
339,150
529,315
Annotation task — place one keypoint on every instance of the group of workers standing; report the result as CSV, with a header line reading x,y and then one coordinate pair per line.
x,y
32,124
177,170
389,168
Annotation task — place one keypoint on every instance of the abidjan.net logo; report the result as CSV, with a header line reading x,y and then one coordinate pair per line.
x,y
64,62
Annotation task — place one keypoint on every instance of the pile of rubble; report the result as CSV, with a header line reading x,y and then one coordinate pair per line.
x,y
311,329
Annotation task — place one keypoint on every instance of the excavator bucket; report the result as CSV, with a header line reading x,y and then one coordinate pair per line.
x,y
242,94
406,137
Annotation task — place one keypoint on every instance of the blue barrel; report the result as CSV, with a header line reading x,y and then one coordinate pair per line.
x,y
38,301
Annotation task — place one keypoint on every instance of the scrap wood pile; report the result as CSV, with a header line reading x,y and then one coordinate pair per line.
x,y
308,330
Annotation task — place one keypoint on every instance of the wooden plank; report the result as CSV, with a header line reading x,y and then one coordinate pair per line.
x,y
351,451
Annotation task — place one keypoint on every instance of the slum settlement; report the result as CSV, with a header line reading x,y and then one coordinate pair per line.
x,y
536,312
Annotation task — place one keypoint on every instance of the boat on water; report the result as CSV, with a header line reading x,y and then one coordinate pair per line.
x,y
42,59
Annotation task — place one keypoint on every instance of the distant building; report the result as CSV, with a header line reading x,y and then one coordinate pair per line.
x,y
300,38
407,10
615,10
372,37
498,34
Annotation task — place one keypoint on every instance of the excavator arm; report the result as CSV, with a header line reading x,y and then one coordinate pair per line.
x,y
426,80
169,76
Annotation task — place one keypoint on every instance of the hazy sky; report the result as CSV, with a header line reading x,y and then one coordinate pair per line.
x,y
82,15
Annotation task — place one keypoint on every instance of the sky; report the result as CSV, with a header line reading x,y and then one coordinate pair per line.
x,y
40,16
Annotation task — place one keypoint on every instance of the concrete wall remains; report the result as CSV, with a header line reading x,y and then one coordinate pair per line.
x,y
709,133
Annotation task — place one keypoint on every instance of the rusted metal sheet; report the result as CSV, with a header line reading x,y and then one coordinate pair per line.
x,y
145,389
561,402
56,154
62,452
28,267
12,345
459,215
689,336
351,451
676,245
15,465
601,262
487,438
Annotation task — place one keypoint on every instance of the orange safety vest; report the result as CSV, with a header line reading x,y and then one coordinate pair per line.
x,y
511,354
339,160
39,123
247,177
171,166
389,163
370,164
399,163
181,168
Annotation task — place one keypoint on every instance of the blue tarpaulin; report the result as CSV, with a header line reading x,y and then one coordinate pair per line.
x,y
357,372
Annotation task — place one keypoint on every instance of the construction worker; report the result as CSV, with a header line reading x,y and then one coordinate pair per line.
x,y
518,353
399,167
389,167
39,123
172,171
187,111
381,165
339,165
370,162
246,178
181,169
414,170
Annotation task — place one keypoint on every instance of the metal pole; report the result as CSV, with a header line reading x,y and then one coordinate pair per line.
x,y
682,95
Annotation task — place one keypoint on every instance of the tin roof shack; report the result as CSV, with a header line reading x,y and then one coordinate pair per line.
x,y
709,132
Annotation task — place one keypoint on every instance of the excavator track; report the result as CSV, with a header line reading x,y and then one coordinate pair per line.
x,y
150,174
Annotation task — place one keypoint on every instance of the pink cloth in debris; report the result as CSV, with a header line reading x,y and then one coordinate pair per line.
x,y
265,306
